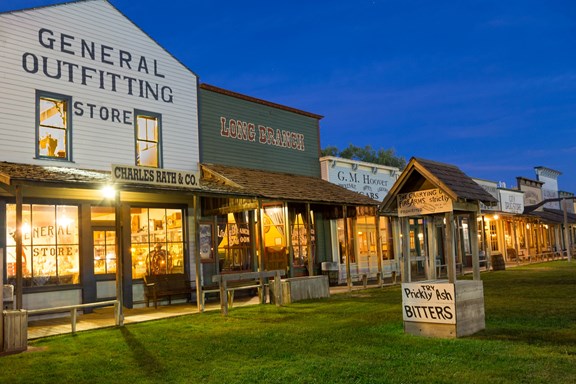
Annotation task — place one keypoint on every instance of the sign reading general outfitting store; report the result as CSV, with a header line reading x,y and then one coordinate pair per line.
x,y
155,176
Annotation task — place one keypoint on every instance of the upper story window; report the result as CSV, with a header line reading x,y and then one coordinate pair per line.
x,y
53,127
148,145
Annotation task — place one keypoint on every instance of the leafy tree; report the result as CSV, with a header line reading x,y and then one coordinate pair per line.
x,y
367,154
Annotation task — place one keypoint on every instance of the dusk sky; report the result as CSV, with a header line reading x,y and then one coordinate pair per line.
x,y
489,86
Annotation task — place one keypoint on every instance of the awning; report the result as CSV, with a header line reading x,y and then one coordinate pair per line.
x,y
284,186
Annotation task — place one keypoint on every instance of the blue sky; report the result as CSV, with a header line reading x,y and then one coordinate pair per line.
x,y
489,86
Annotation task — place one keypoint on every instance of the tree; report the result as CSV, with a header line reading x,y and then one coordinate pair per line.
x,y
367,154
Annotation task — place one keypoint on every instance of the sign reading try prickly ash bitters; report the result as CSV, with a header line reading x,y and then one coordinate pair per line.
x,y
441,309
428,302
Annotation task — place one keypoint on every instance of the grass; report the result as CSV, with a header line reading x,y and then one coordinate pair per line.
x,y
530,337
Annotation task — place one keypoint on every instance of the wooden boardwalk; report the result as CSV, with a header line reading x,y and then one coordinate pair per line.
x,y
104,317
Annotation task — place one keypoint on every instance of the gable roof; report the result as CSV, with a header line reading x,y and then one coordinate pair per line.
x,y
73,2
422,174
284,186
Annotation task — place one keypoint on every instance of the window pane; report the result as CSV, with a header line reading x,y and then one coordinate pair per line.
x,y
53,127
147,141
50,252
53,113
157,241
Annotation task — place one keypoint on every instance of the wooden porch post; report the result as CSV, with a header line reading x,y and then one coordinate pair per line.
x,y
119,257
18,239
406,273
197,264
347,248
379,249
449,247
473,226
309,241
431,247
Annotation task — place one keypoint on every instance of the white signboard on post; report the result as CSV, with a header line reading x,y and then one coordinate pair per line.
x,y
429,303
423,202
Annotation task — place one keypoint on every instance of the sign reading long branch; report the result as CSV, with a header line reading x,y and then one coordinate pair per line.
x,y
423,202
428,303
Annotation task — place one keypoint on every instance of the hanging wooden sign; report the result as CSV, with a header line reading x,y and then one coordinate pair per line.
x,y
423,203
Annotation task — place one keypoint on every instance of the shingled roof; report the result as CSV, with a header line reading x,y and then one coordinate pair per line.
x,y
554,216
67,177
427,174
283,186
457,181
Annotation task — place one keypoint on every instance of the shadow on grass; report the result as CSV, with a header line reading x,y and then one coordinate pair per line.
x,y
143,358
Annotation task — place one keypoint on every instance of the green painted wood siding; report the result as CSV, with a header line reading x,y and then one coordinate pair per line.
x,y
249,152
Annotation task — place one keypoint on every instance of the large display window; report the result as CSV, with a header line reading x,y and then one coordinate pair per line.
x,y
299,228
157,241
50,246
234,242
275,244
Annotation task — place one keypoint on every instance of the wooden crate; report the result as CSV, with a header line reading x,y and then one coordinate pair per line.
x,y
15,331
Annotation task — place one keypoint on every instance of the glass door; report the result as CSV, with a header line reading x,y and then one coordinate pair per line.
x,y
104,250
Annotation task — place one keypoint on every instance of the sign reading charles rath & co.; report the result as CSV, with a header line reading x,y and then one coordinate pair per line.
x,y
428,303
155,176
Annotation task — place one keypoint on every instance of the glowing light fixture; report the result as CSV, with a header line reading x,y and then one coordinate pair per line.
x,y
108,192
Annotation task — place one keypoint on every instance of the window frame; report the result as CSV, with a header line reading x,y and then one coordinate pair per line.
x,y
139,113
57,96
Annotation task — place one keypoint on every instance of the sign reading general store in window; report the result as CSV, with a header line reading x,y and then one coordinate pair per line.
x,y
423,203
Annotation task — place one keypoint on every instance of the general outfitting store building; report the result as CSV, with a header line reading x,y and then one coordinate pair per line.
x,y
91,101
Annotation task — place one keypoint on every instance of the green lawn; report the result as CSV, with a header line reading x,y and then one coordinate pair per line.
x,y
530,337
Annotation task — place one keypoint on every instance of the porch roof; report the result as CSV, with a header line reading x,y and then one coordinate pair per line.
x,y
554,216
69,177
421,174
284,186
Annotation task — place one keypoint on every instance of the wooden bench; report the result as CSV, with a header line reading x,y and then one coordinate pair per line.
x,y
230,282
159,286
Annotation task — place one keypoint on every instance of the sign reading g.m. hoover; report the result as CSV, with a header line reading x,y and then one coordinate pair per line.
x,y
155,176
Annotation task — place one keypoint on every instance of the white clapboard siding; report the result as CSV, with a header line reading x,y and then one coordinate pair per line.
x,y
96,143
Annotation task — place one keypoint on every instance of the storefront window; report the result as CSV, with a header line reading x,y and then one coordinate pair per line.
x,y
275,243
366,239
346,249
234,242
386,239
147,139
299,228
50,252
104,252
104,239
157,241
53,126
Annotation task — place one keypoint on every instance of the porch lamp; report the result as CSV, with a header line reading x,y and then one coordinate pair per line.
x,y
108,192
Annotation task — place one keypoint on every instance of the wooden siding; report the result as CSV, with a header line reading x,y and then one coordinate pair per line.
x,y
96,143
251,154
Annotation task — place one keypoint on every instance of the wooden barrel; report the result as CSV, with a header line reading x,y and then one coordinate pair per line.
x,y
498,263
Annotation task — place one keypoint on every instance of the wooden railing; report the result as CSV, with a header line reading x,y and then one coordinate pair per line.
x,y
73,309
230,282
